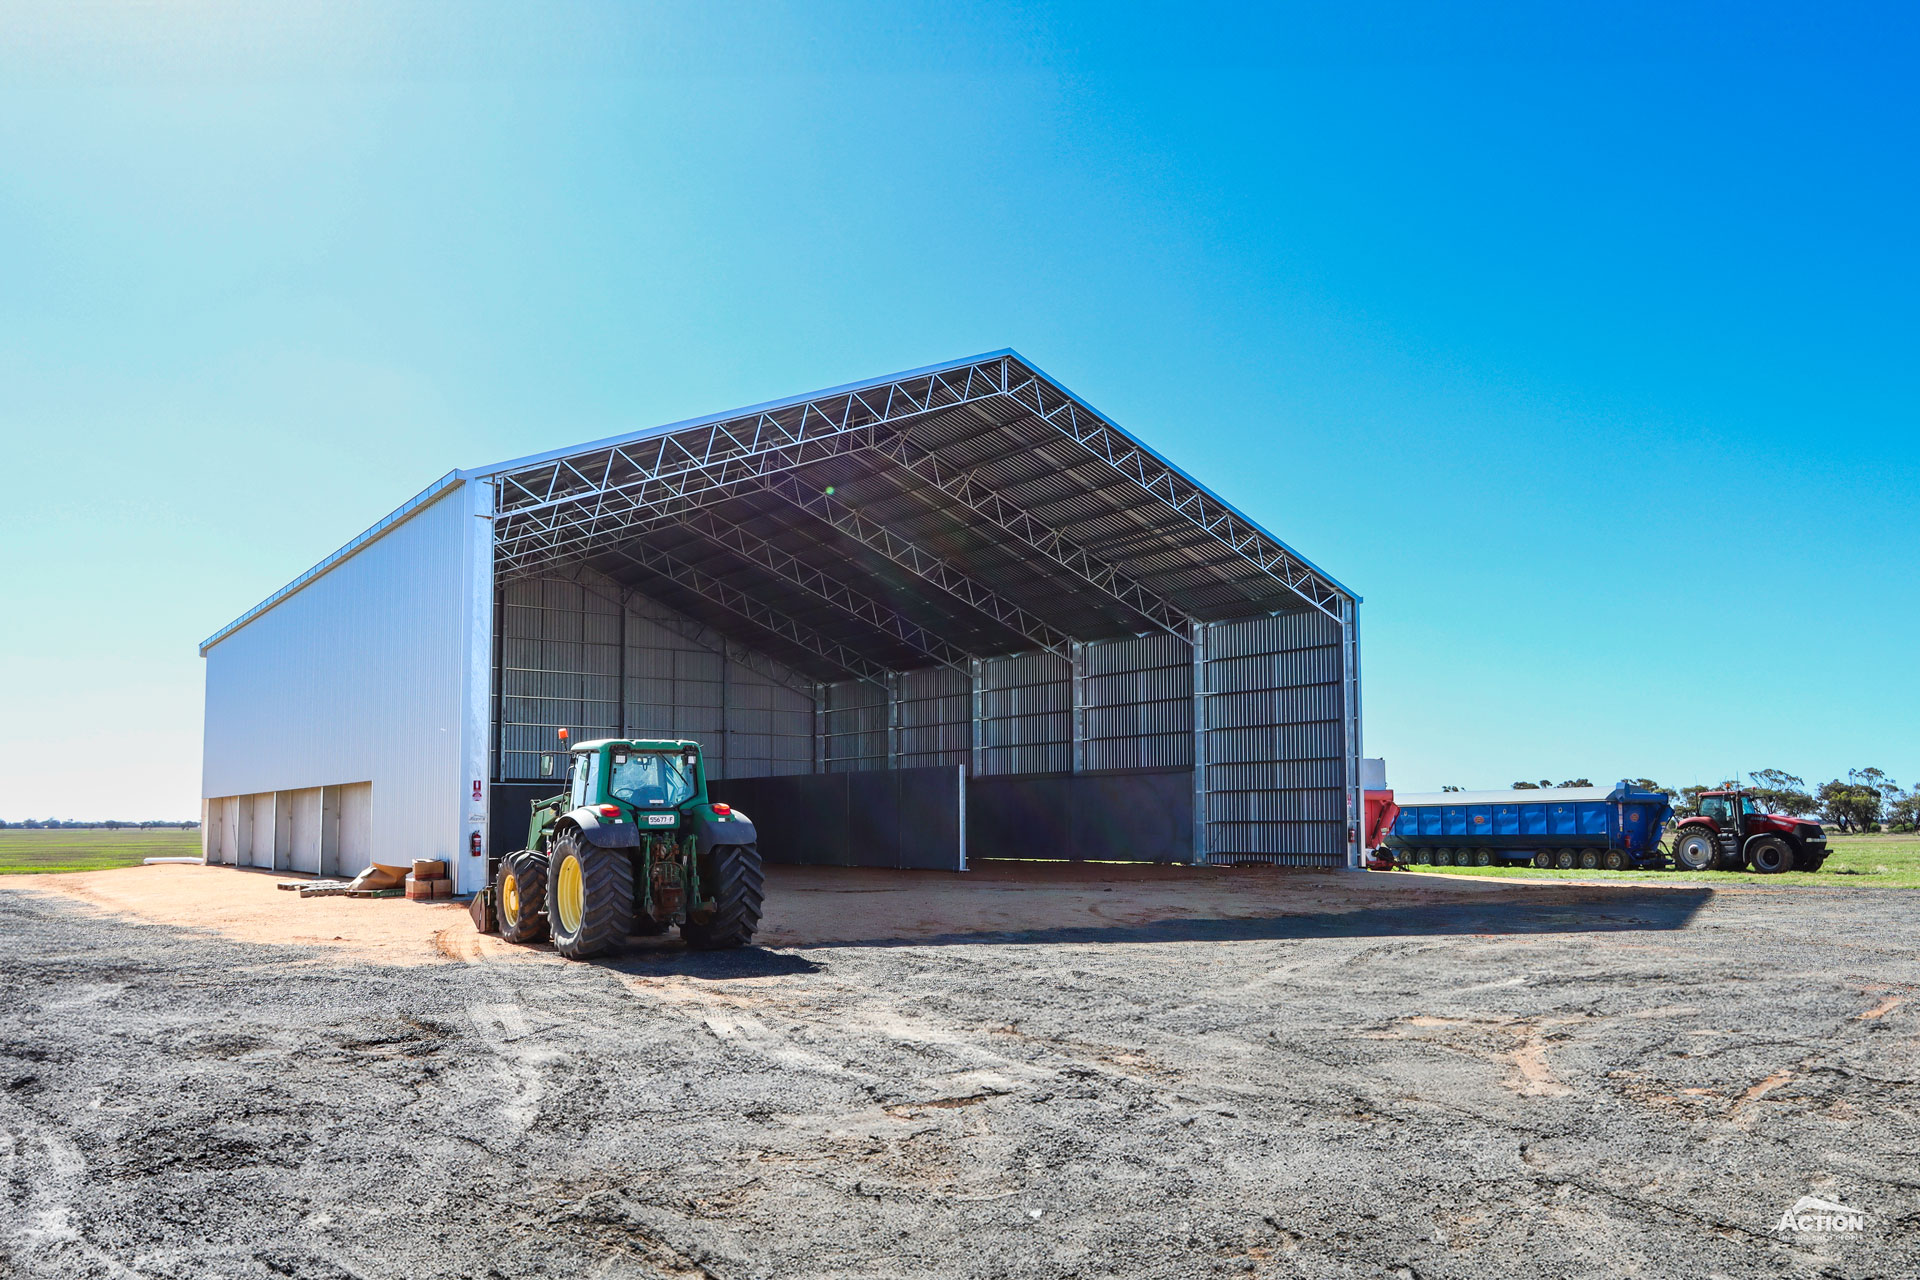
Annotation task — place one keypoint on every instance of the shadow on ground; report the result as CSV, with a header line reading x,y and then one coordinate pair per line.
x,y
1649,911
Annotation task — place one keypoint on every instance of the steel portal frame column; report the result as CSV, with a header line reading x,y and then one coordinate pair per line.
x,y
893,721
1350,723
820,728
1197,636
1077,657
977,739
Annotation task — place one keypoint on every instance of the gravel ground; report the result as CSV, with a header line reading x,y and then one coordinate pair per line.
x,y
1401,1081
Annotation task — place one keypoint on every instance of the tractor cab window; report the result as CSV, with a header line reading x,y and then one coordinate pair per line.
x,y
583,771
652,779
1749,805
1717,808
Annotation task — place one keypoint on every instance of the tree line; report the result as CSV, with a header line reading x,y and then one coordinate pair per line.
x,y
112,824
1865,800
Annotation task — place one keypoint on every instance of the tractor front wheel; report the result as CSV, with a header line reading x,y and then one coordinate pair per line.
x,y
1771,855
1697,851
589,897
731,873
520,896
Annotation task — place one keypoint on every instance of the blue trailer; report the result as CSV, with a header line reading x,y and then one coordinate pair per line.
x,y
1593,827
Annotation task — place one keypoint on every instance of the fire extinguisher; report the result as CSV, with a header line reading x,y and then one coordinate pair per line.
x,y
473,844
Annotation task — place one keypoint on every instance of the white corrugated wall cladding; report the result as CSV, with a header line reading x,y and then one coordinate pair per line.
x,y
356,677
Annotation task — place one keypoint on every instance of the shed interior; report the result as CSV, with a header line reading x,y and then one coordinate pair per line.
x,y
959,573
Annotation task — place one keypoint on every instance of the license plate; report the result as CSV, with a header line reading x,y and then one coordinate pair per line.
x,y
661,819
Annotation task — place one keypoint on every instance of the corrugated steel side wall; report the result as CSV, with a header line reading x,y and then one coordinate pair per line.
x,y
1138,703
934,720
1026,721
1275,756
566,649
357,677
854,734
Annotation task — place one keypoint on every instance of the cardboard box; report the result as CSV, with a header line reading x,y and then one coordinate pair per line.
x,y
429,868
419,890
443,888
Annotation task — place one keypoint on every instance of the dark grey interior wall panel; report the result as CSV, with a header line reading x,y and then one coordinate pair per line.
x,y
905,818
510,811
1143,815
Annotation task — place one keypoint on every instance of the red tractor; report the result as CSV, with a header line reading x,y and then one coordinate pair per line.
x,y
1734,829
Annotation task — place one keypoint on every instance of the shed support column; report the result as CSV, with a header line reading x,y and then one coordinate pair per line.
x,y
977,745
1350,722
1197,635
820,728
1077,656
893,721
329,832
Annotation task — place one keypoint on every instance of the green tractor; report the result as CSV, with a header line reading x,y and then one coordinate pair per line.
x,y
633,847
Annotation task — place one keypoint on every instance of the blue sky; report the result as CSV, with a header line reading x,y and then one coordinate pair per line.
x,y
1583,348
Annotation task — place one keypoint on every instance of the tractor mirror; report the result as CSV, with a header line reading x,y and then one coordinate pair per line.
x,y
546,766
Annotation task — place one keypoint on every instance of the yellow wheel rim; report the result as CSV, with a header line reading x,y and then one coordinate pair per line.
x,y
570,893
510,898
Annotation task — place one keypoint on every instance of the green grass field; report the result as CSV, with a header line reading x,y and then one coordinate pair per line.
x,y
1882,861
90,850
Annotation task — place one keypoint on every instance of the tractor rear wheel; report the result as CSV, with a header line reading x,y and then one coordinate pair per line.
x,y
1771,855
589,896
731,873
520,896
1613,860
1697,851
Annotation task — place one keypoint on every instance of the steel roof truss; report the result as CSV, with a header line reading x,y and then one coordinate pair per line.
x,y
792,569
742,604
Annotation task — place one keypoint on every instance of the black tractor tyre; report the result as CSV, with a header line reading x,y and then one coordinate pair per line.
x,y
1770,855
1810,862
1613,860
1696,851
589,897
520,896
731,872
1589,859
1543,859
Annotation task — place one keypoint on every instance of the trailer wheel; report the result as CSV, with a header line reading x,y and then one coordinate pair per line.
x,y
1613,860
1422,857
1771,855
1543,859
1564,859
589,896
1483,857
1589,859
520,896
732,872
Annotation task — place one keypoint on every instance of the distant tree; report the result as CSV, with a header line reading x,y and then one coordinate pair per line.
x,y
1852,806
1577,782
1781,791
1903,811
1526,786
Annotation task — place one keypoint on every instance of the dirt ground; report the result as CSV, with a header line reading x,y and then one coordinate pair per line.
x,y
1023,1071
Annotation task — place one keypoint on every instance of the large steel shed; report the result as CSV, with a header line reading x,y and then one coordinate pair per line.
x,y
947,614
